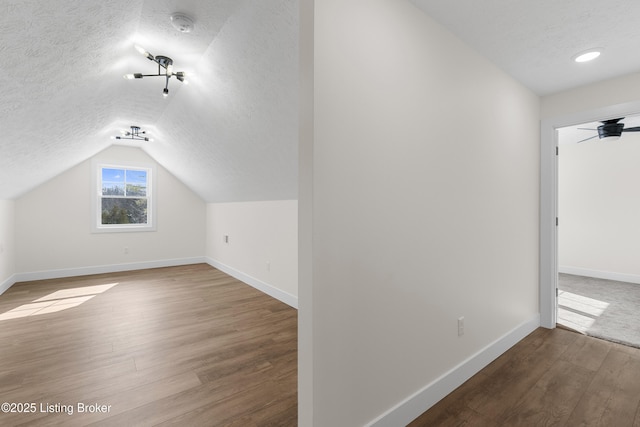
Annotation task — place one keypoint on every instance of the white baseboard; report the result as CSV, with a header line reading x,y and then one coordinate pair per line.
x,y
113,268
268,289
599,274
414,405
7,284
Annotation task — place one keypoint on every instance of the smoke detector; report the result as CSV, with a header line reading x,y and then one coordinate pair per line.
x,y
182,22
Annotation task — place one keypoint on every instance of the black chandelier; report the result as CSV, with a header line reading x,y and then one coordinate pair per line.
x,y
136,134
164,62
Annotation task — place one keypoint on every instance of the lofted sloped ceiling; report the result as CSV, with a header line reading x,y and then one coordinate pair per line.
x,y
230,134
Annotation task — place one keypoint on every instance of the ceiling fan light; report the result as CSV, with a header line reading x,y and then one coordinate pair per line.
x,y
610,138
610,130
587,56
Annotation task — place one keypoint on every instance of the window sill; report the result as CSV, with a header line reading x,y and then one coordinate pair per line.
x,y
123,229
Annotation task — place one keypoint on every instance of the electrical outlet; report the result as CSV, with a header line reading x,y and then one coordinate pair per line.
x,y
126,250
268,266
460,326
226,238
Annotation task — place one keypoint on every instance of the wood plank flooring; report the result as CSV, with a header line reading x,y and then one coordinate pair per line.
x,y
187,346
551,378
191,346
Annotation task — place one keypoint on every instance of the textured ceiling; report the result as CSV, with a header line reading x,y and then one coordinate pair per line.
x,y
535,40
230,134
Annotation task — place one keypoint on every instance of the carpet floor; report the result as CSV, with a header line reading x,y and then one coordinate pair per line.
x,y
600,308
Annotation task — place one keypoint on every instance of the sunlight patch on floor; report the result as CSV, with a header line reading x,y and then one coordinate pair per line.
x,y
56,301
579,312
76,292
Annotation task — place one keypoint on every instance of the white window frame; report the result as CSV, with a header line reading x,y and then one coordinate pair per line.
x,y
96,198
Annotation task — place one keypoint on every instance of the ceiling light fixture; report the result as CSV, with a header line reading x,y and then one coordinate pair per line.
x,y
135,134
163,62
587,56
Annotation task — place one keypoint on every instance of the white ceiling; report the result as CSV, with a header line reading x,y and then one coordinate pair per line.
x,y
231,134
535,40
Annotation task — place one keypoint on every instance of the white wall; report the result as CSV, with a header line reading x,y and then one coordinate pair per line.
x,y
53,222
262,246
611,92
425,208
7,243
599,208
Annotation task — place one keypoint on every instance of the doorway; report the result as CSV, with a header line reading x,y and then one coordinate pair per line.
x,y
549,199
599,276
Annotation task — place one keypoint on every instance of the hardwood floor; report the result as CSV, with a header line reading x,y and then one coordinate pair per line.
x,y
551,378
188,346
191,346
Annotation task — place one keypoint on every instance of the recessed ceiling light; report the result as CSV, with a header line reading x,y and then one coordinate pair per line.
x,y
587,56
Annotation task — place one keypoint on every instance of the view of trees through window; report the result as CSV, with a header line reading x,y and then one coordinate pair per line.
x,y
124,196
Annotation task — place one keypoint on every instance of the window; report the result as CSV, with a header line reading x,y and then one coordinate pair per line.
x,y
124,199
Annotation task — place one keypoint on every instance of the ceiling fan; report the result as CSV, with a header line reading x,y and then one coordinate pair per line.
x,y
610,129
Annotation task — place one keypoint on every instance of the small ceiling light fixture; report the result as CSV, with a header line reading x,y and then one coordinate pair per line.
x,y
163,62
587,56
182,22
135,134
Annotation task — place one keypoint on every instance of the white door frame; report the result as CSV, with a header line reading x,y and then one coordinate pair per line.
x,y
549,198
